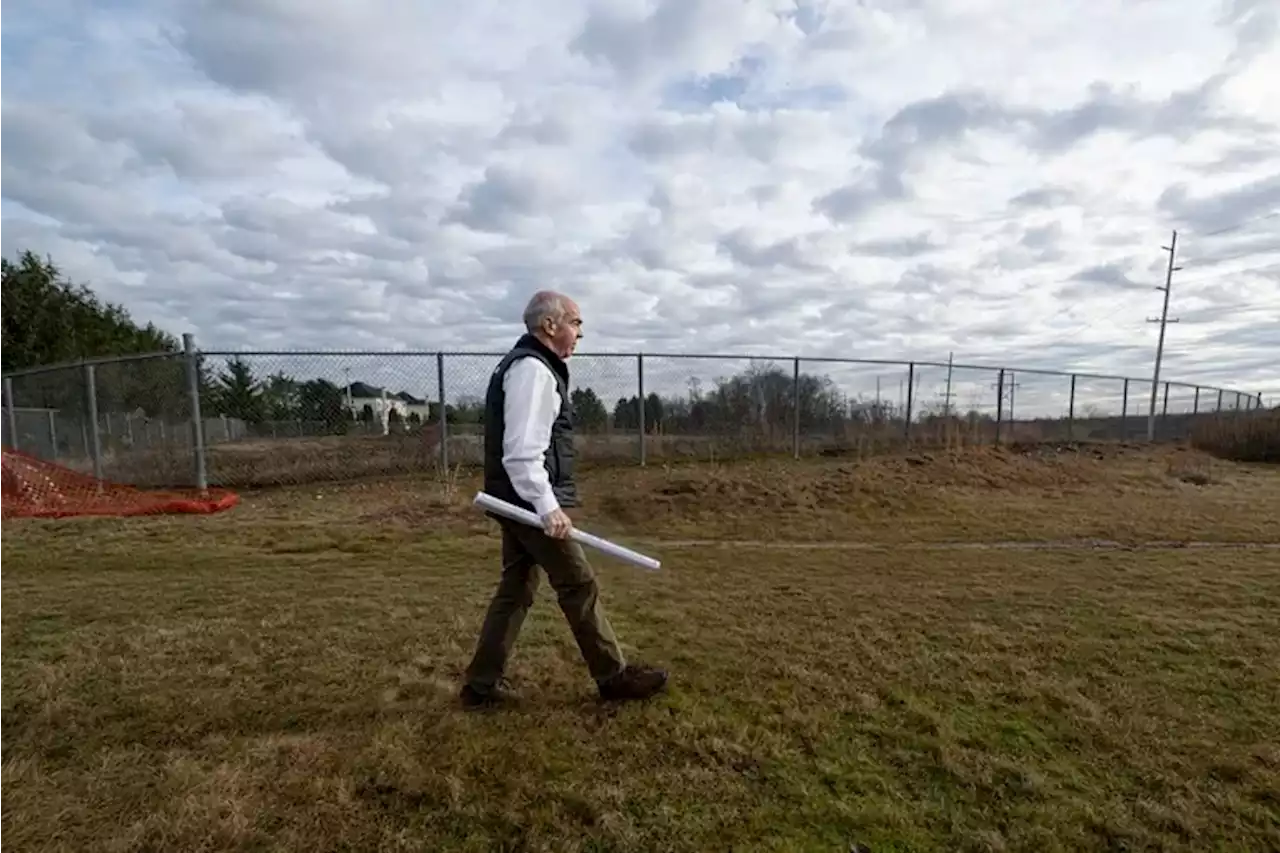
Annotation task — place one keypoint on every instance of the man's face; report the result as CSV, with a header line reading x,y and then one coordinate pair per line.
x,y
565,334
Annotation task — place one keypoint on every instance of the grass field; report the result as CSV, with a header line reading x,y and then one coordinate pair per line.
x,y
913,653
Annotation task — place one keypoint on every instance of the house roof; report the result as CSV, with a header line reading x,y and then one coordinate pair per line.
x,y
364,390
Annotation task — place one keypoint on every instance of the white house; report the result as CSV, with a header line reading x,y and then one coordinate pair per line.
x,y
382,402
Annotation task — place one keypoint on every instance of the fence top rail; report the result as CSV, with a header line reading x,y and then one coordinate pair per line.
x,y
990,368
96,361
702,356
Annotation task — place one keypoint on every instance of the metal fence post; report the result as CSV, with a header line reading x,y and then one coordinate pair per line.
x,y
1219,409
1124,413
1071,411
53,436
95,442
1164,412
795,398
1013,395
444,415
1195,405
640,403
197,419
10,413
911,387
999,403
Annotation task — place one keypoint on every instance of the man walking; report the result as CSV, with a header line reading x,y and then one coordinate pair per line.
x,y
529,462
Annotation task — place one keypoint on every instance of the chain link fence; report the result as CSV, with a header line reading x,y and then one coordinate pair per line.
x,y
244,419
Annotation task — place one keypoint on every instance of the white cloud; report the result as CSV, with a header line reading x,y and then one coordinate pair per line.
x,y
903,178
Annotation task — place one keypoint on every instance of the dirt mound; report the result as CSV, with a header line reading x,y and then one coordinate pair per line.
x,y
786,484
1016,466
1035,492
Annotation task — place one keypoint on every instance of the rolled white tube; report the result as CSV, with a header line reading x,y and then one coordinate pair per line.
x,y
524,516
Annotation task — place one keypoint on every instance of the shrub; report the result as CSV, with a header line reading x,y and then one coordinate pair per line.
x,y
1241,436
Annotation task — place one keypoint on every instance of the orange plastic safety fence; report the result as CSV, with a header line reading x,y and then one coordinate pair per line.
x,y
34,488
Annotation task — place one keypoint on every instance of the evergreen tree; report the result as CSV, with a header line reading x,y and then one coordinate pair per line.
x,y
48,320
590,415
239,394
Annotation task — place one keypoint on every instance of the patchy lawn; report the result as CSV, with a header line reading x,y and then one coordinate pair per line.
x,y
283,677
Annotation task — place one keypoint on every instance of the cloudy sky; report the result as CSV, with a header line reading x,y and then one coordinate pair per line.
x,y
879,179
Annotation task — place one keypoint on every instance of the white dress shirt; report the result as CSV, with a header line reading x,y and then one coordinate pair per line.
x,y
531,405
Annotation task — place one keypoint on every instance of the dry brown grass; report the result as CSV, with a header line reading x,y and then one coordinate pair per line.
x,y
289,460
1241,436
282,676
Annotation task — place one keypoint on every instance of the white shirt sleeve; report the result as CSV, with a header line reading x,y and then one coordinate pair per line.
x,y
531,404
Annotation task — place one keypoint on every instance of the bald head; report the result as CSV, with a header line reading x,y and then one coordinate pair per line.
x,y
555,320
544,305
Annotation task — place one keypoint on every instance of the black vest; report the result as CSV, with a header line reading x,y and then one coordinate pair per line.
x,y
560,454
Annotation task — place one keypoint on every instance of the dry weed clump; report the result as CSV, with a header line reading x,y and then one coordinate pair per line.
x,y
1241,437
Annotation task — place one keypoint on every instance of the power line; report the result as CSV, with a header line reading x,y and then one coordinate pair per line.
x,y
1210,261
1270,215
1005,390
1267,267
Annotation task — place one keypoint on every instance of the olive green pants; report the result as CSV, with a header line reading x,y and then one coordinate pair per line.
x,y
524,550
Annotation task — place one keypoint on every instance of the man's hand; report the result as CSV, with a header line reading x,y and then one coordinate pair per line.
x,y
557,524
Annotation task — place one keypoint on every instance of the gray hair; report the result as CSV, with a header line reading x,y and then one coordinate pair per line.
x,y
544,304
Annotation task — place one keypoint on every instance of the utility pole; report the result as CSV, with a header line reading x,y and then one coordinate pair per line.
x,y
1006,391
1163,321
946,411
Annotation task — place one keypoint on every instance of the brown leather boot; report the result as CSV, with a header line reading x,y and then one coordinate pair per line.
x,y
636,681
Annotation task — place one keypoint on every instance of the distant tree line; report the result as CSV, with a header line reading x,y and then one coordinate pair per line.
x,y
48,320
753,400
